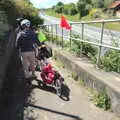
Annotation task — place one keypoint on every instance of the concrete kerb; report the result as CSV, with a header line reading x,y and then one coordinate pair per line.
x,y
96,79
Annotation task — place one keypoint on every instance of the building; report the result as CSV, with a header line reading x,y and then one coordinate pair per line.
x,y
114,8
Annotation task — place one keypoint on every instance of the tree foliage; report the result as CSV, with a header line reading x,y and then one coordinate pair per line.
x,y
20,8
101,3
70,9
58,9
83,7
59,4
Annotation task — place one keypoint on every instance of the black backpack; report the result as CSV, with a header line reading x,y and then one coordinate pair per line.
x,y
44,52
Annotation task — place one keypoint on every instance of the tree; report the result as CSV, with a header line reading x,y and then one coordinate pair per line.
x,y
59,4
101,3
70,9
66,9
88,7
21,8
82,7
73,9
53,7
98,3
59,9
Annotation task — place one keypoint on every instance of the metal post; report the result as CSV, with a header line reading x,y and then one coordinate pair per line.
x,y
100,47
62,38
82,37
48,32
70,36
52,31
48,28
56,32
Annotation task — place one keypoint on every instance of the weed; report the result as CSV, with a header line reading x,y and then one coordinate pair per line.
x,y
102,100
74,76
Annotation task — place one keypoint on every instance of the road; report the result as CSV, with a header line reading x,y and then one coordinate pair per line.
x,y
90,32
46,105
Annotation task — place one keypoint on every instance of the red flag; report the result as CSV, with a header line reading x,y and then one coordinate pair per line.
x,y
64,23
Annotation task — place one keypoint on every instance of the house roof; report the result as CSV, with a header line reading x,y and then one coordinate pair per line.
x,y
114,4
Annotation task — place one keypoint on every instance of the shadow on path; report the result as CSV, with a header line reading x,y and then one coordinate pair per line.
x,y
56,112
65,89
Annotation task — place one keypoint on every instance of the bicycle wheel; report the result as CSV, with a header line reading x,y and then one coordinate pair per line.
x,y
58,87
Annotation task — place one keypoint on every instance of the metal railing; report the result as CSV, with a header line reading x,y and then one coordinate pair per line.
x,y
81,26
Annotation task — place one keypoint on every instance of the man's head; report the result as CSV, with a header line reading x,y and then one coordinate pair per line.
x,y
25,23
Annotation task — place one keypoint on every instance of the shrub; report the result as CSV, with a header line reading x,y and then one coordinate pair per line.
x,y
111,61
87,49
101,100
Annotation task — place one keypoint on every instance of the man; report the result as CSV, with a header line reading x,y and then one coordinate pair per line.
x,y
25,43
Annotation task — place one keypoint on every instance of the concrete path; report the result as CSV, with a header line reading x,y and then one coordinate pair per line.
x,y
46,105
42,103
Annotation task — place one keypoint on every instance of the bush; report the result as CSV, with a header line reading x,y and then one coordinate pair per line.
x,y
111,61
101,100
87,49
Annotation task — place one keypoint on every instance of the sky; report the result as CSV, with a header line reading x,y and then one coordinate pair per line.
x,y
48,3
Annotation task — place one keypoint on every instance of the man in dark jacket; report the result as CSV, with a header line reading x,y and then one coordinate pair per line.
x,y
25,43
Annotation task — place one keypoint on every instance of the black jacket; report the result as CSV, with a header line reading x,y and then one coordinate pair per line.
x,y
26,40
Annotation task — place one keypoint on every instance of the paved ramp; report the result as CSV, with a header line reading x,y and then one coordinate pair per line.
x,y
46,105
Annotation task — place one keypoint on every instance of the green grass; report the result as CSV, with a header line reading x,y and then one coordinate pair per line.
x,y
75,18
110,26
